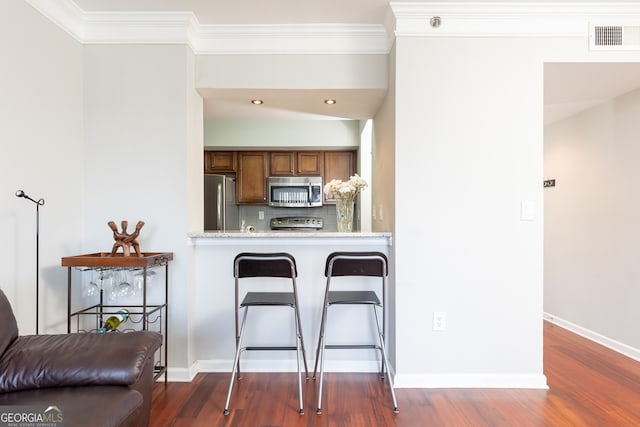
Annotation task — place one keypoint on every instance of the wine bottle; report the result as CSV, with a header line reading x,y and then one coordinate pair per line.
x,y
114,321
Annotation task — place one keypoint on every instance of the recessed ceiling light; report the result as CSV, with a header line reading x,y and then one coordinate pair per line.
x,y
329,101
257,101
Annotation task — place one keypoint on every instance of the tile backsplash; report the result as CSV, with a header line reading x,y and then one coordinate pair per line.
x,y
250,215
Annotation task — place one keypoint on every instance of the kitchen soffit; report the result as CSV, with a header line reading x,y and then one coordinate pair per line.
x,y
352,104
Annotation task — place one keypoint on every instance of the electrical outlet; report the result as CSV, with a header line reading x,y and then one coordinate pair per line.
x,y
261,215
439,321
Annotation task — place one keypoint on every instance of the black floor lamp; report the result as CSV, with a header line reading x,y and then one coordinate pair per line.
x,y
38,203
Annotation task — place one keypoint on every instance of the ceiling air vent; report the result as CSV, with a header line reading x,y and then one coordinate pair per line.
x,y
614,37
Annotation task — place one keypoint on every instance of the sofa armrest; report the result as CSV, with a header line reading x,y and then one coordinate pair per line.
x,y
40,361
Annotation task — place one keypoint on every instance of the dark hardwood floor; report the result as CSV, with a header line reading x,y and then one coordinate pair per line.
x,y
589,385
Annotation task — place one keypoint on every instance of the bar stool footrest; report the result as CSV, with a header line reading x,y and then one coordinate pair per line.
x,y
353,347
252,348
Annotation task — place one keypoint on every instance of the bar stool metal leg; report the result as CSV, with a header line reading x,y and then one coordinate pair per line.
x,y
322,326
236,361
320,356
299,329
385,362
299,354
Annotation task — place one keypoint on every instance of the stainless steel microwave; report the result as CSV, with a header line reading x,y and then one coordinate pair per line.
x,y
295,191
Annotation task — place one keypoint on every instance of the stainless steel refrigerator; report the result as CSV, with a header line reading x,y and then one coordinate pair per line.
x,y
220,208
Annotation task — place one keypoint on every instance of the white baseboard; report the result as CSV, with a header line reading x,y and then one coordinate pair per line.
x,y
188,374
286,366
399,381
530,381
274,365
614,345
179,375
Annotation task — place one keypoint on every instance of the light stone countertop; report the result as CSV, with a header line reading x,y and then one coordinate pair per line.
x,y
285,234
304,238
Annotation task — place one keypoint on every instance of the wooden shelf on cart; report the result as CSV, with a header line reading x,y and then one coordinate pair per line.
x,y
105,259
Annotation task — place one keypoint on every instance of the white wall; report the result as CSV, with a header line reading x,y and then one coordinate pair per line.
x,y
42,154
365,160
195,190
468,138
591,221
384,158
292,71
383,170
304,134
469,143
140,141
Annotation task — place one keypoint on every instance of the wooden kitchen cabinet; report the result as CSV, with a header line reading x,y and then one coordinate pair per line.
x,y
338,165
251,177
296,163
309,163
220,161
282,163
253,167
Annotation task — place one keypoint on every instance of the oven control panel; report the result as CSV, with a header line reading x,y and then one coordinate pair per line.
x,y
296,223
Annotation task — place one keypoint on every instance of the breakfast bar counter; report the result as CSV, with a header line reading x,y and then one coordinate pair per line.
x,y
277,237
213,300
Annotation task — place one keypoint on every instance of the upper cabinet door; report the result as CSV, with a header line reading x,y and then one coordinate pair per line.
x,y
338,165
220,161
282,163
252,177
309,163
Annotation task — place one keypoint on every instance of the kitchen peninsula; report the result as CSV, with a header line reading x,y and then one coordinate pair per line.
x,y
213,302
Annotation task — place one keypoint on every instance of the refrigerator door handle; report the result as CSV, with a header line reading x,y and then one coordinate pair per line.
x,y
219,208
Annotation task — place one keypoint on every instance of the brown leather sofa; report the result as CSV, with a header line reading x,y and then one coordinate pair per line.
x,y
94,379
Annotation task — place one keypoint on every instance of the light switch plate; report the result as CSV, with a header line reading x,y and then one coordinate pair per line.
x,y
439,321
526,210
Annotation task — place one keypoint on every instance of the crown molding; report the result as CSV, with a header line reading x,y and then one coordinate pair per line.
x,y
493,19
184,28
410,19
127,28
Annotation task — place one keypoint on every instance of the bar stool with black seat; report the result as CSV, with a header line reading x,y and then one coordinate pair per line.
x,y
274,265
340,264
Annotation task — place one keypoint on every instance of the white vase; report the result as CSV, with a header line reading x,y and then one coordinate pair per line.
x,y
344,215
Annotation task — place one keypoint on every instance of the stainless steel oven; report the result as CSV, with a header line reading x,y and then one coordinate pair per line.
x,y
295,191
